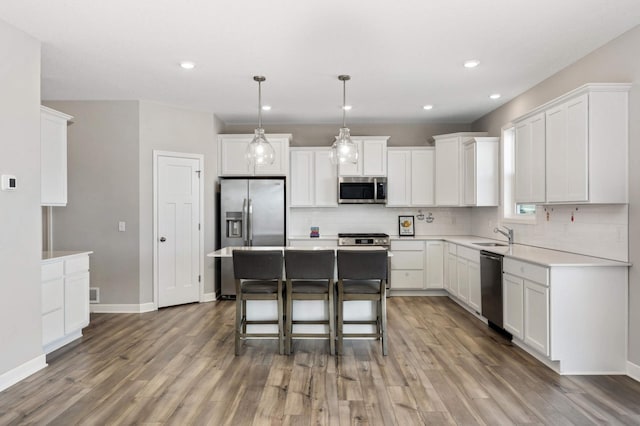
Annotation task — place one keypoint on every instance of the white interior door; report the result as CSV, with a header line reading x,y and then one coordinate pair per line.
x,y
178,237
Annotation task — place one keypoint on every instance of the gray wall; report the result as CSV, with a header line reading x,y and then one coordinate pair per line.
x,y
103,190
324,134
20,225
168,128
616,61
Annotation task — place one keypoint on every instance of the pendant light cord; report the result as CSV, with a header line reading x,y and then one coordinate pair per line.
x,y
344,103
260,104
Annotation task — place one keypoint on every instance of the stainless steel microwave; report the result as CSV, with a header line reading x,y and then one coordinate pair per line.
x,y
362,190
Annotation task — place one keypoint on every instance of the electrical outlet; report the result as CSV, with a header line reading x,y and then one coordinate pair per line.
x,y
122,226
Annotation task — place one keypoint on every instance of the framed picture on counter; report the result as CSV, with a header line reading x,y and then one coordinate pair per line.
x,y
405,226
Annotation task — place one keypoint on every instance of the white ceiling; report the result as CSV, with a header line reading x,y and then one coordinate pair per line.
x,y
401,54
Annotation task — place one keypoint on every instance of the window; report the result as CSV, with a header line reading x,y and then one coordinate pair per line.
x,y
512,211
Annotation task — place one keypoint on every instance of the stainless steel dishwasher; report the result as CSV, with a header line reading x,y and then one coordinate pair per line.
x,y
491,288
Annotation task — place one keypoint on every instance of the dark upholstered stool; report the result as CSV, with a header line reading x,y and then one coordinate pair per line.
x,y
362,275
258,276
310,277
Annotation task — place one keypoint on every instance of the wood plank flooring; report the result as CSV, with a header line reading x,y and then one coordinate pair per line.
x,y
176,366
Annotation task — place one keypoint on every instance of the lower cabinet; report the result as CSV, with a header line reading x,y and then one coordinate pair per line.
x,y
536,316
65,300
463,266
416,265
513,306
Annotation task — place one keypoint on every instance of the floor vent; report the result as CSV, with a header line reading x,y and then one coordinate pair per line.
x,y
94,294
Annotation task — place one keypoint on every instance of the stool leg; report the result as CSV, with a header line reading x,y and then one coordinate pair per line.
x,y
383,316
332,320
340,316
244,317
289,315
280,319
239,317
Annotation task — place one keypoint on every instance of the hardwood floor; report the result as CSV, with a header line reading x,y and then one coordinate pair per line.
x,y
176,366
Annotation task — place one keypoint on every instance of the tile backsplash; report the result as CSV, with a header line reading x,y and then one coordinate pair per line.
x,y
376,218
596,230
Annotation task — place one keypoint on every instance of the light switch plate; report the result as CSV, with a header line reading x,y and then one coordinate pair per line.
x,y
122,226
9,183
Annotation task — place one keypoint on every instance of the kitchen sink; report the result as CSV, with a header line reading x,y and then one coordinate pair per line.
x,y
490,244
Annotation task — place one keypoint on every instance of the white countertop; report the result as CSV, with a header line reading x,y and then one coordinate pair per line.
x,y
537,255
228,251
49,256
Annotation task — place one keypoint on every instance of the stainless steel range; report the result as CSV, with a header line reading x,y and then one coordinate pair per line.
x,y
358,239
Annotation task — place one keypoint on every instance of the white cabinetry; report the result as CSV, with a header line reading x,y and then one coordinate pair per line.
x,y
410,177
313,179
481,171
462,278
372,157
536,316
585,152
53,156
449,173
416,265
530,160
513,306
232,160
65,299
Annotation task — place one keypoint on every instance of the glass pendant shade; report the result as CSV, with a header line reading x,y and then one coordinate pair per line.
x,y
260,151
344,150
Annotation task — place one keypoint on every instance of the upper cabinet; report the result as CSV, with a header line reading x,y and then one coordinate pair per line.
x,y
481,172
529,160
232,160
449,172
586,145
313,179
372,157
410,177
53,157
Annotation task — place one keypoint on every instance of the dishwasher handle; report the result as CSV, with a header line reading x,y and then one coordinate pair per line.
x,y
491,256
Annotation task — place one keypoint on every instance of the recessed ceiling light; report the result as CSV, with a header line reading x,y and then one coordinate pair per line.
x,y
495,96
427,107
187,65
347,107
266,107
472,63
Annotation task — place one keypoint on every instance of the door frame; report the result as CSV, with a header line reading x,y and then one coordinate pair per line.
x,y
200,157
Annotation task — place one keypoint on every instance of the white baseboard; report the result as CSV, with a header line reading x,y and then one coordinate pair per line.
x,y
208,297
103,308
633,371
21,372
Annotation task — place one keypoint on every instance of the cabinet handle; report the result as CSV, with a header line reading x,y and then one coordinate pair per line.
x,y
163,239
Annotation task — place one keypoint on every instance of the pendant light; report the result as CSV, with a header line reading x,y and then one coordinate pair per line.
x,y
260,151
344,150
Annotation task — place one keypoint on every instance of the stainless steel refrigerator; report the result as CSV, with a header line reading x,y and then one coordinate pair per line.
x,y
251,212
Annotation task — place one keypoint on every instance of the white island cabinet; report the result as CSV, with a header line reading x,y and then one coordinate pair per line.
x,y
65,297
573,318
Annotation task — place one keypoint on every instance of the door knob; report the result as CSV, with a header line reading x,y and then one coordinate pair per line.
x,y
163,239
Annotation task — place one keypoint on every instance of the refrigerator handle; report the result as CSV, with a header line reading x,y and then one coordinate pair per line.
x,y
250,225
245,220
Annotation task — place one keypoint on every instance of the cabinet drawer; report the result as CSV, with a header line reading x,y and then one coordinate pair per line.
x,y
407,279
52,295
52,326
535,273
407,260
51,271
452,248
313,242
407,245
469,254
76,264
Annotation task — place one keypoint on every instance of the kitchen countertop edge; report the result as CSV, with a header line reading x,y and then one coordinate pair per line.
x,y
51,256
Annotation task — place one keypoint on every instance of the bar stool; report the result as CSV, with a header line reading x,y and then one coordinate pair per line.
x,y
258,276
310,277
362,275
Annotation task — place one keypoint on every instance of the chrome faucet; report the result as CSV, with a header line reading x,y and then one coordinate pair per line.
x,y
508,233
